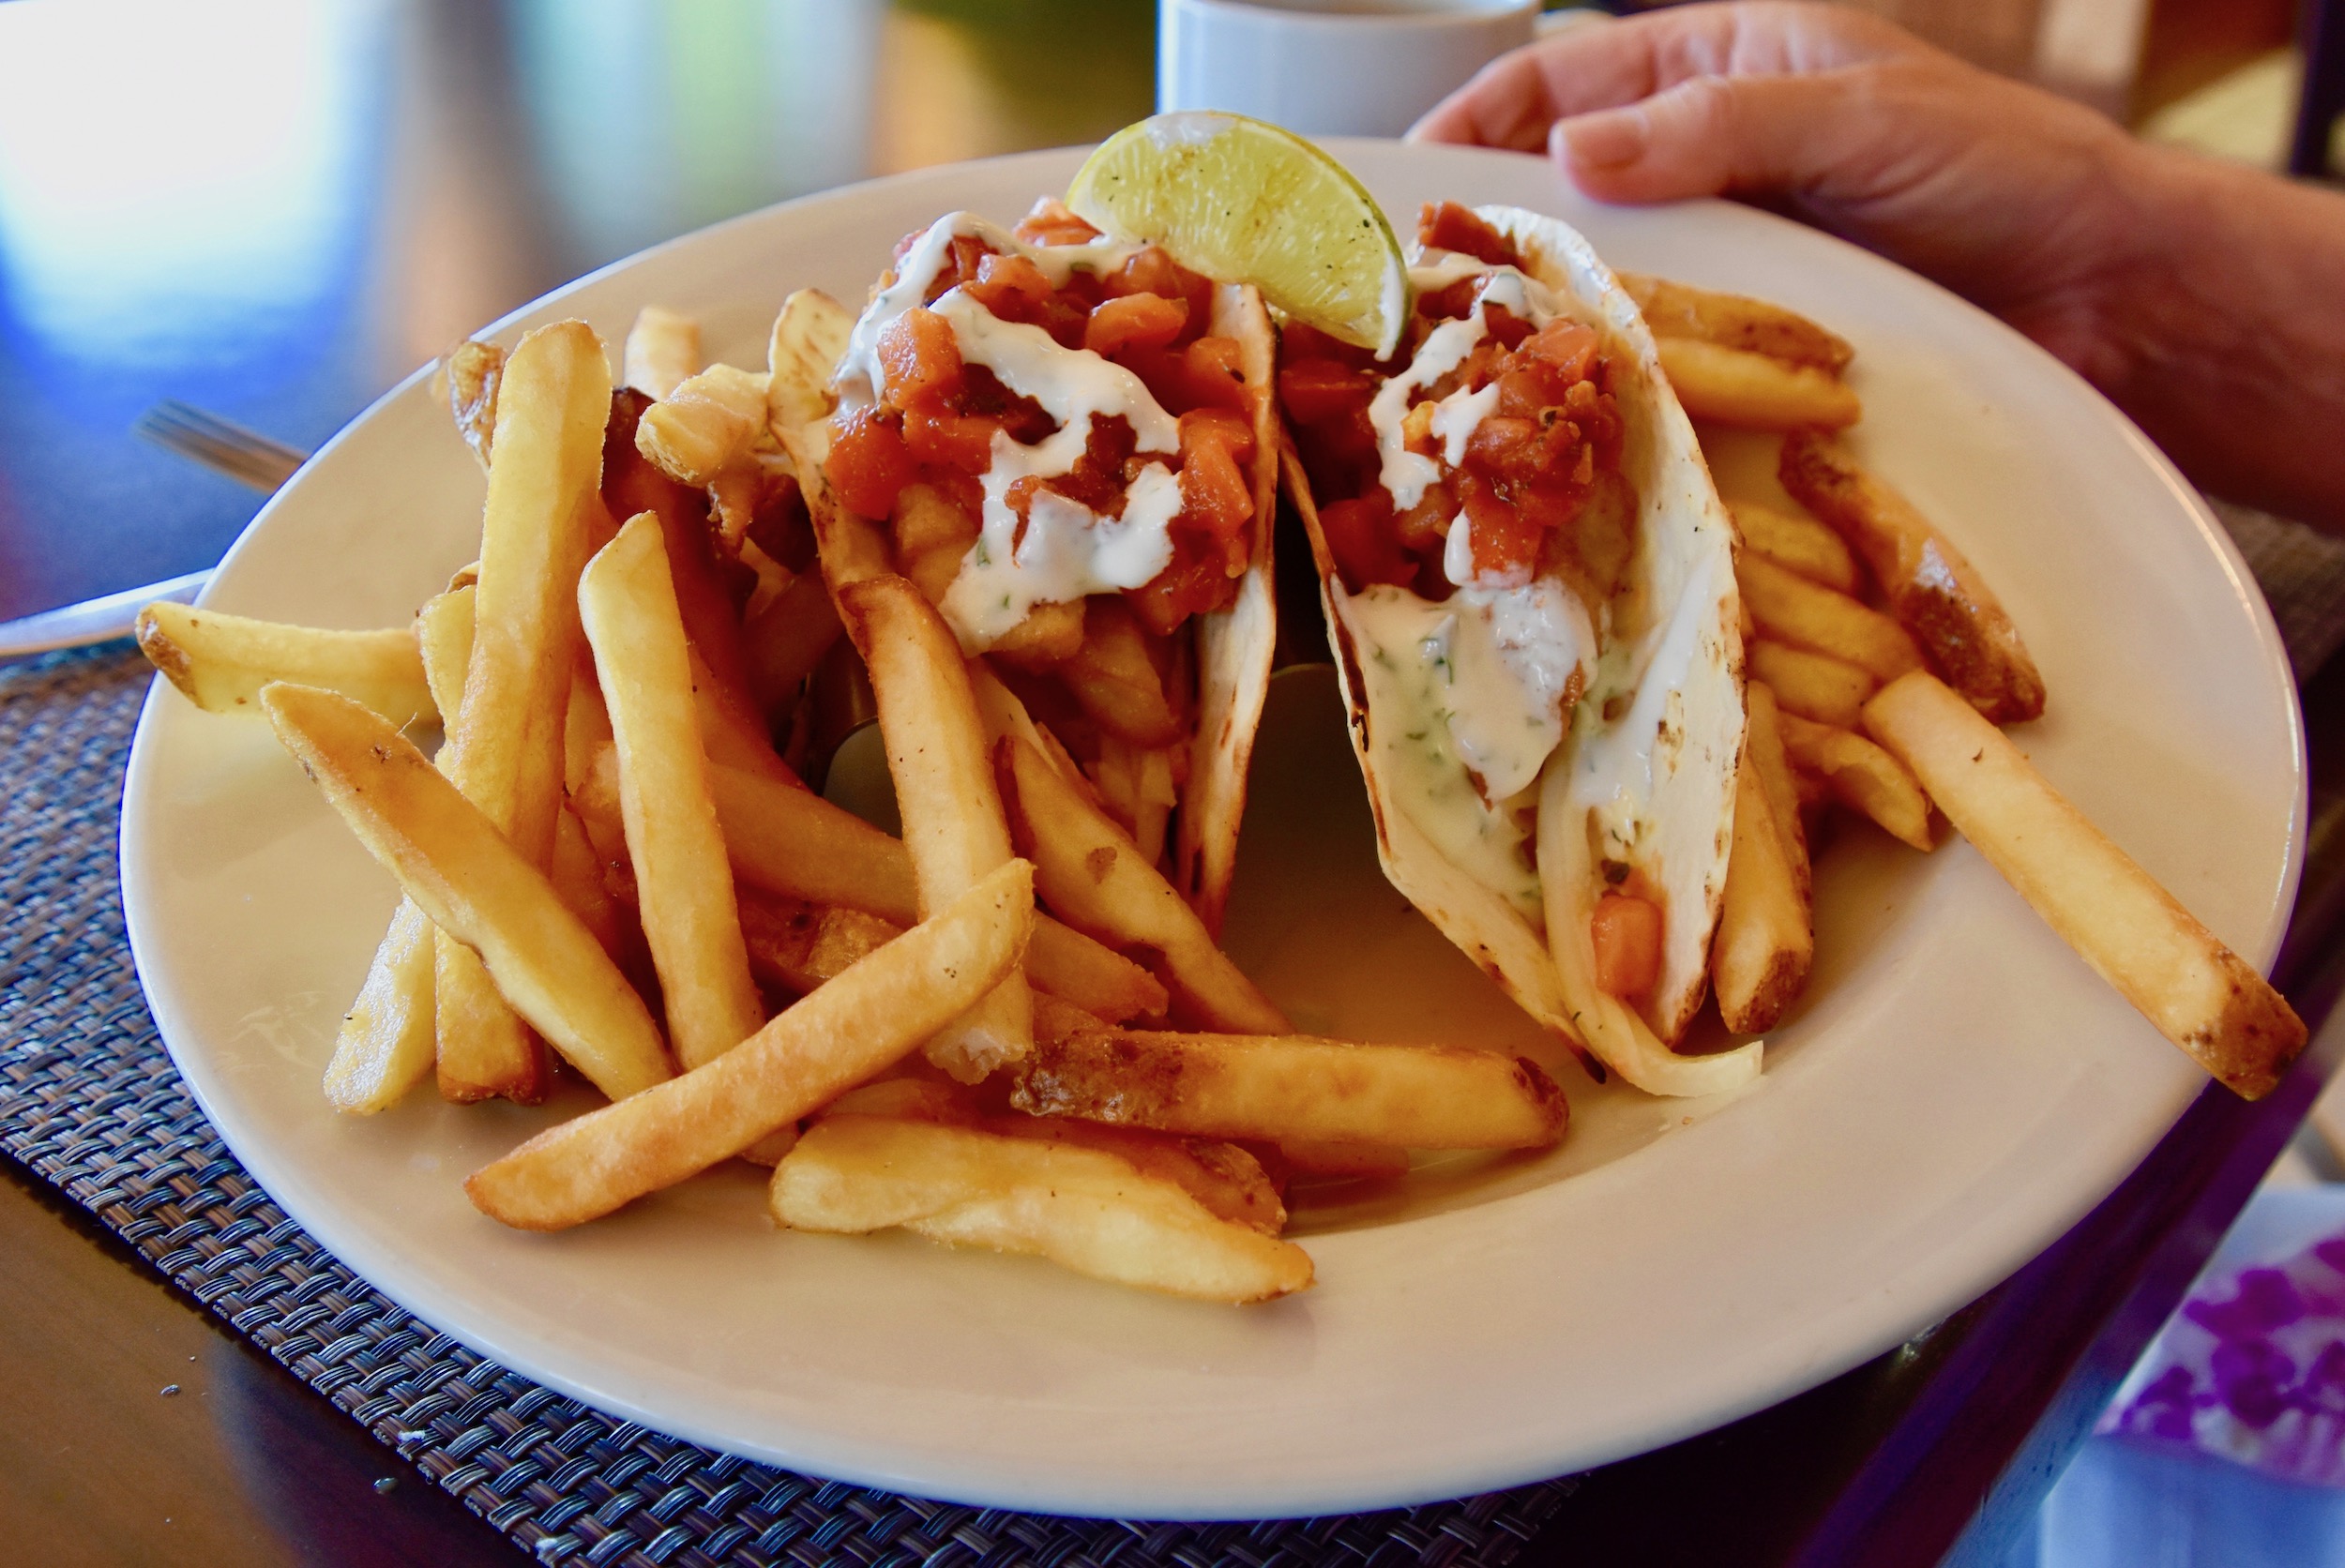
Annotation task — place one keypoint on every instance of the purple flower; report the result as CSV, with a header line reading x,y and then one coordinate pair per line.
x,y
2323,1388
2331,1252
2253,1378
2267,1299
2163,1409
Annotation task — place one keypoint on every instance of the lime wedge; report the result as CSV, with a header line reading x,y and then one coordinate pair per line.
x,y
1247,203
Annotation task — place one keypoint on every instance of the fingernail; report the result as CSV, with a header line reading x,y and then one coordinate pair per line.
x,y
1599,142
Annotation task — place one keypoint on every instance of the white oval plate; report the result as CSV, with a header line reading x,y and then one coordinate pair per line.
x,y
1955,1092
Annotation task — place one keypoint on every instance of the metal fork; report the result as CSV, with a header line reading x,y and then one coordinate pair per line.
x,y
244,456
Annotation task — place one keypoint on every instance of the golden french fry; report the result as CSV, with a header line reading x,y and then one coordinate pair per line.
x,y
806,1056
790,841
1932,591
1788,608
786,636
1114,681
1005,714
1092,876
1274,1088
1861,776
577,875
472,370
1766,936
1734,386
443,628
1083,1209
1812,684
1797,543
706,424
221,661
1732,321
684,885
505,753
810,337
1226,1181
1135,787
803,946
731,728
945,790
385,1045
2133,932
473,885
663,350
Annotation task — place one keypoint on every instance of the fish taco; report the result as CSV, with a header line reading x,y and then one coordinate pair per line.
x,y
1069,443
1529,582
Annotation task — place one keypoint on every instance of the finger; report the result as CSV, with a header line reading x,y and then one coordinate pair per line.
x,y
1714,136
1514,99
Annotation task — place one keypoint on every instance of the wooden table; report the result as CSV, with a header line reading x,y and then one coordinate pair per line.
x,y
290,205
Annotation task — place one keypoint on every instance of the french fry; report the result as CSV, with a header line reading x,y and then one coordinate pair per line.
x,y
383,1047
632,483
1767,937
473,370
684,885
1861,776
2134,934
443,628
1114,681
1931,590
1092,875
945,790
1226,1181
220,662
806,1056
1788,608
506,753
1797,543
1273,1088
577,875
706,424
785,638
1734,386
1730,320
803,946
796,844
663,349
1777,776
731,727
473,885
1083,1209
1812,684
808,339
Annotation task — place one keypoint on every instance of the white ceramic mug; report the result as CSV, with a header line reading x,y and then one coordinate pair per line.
x,y
1331,68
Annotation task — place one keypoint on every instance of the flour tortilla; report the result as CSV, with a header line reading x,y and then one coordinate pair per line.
x,y
1683,576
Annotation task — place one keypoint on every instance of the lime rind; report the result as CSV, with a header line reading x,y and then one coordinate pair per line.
x,y
1244,200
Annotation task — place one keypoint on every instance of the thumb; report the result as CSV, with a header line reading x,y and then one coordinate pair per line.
x,y
1713,136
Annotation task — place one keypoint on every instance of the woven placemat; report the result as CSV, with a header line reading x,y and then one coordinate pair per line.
x,y
90,1103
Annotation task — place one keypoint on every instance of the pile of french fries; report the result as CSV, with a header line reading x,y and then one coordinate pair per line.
x,y
1005,1029
1880,666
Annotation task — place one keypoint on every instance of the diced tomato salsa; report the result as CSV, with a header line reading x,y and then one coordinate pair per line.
x,y
937,415
1528,470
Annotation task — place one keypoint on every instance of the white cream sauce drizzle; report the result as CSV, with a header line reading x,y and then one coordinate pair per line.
x,y
1469,698
1067,551
1405,474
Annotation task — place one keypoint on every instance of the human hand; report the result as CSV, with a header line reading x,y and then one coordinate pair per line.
x,y
2019,200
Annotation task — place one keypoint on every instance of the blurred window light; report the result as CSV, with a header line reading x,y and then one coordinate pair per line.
x,y
169,170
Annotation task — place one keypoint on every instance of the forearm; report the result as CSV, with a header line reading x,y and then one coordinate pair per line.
x,y
2224,336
